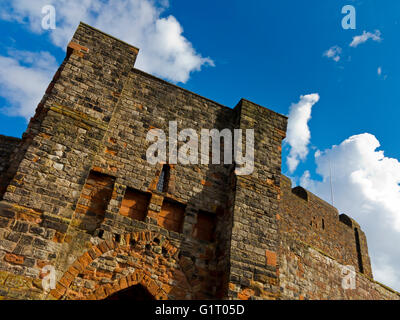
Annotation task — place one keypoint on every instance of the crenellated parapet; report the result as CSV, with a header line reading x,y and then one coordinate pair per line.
x,y
312,220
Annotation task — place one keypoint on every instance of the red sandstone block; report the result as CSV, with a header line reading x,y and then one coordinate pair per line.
x,y
153,288
110,151
172,251
161,295
271,258
85,260
67,279
97,169
127,237
131,280
78,266
56,294
59,291
104,274
112,169
100,294
92,253
103,247
115,286
74,271
97,251
13,258
108,289
245,294
77,47
123,284
138,276
59,237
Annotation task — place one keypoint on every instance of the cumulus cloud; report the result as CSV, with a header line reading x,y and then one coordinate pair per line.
x,y
298,134
24,77
357,40
164,51
333,53
366,187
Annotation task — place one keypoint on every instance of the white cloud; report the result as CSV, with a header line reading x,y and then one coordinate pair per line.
x,y
381,74
357,40
24,77
366,187
164,51
385,271
333,53
298,134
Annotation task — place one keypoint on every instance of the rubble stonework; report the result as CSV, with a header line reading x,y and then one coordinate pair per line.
x,y
78,194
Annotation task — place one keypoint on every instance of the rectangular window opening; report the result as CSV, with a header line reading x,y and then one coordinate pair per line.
x,y
205,226
135,204
171,215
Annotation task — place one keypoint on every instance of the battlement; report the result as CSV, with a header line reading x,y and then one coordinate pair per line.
x,y
317,223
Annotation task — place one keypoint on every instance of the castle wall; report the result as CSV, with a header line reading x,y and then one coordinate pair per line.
x,y
306,273
317,248
311,220
84,164
255,236
81,196
94,118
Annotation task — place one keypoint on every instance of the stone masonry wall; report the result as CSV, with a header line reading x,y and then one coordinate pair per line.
x,y
80,196
94,118
255,236
317,223
316,247
306,273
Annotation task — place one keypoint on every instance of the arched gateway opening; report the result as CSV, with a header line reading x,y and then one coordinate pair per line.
x,y
133,293
140,266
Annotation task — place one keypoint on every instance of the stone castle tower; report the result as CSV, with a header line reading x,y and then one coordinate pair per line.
x,y
79,199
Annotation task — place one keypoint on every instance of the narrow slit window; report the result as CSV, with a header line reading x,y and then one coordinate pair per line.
x,y
358,248
163,181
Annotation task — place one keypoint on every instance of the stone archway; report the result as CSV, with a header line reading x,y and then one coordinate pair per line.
x,y
134,293
139,258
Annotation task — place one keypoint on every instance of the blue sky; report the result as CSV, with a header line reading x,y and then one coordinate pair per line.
x,y
270,52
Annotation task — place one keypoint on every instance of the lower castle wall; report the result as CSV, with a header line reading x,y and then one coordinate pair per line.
x,y
168,264
317,223
307,273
